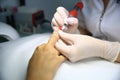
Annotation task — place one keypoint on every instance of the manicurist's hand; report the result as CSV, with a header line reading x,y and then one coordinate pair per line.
x,y
76,47
61,17
45,61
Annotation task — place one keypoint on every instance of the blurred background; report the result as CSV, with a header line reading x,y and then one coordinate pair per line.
x,y
31,16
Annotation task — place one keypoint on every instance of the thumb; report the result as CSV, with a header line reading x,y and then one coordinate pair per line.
x,y
66,37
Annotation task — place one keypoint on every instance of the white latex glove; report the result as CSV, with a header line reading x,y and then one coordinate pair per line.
x,y
61,17
76,47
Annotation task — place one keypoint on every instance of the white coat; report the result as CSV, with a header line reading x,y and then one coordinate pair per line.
x,y
106,26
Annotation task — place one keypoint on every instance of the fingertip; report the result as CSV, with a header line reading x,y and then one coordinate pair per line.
x,y
60,8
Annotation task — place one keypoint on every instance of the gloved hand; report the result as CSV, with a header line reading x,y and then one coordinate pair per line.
x,y
76,47
45,61
61,17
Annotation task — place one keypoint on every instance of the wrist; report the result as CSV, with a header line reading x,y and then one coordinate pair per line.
x,y
111,51
118,58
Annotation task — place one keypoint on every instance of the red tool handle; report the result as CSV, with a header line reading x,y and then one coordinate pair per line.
x,y
74,12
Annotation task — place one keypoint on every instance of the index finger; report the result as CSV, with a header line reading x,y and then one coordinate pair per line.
x,y
53,39
63,12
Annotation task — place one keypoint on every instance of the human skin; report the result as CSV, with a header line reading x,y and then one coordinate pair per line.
x,y
45,61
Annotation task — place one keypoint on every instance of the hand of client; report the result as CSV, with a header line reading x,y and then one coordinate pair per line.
x,y
45,61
